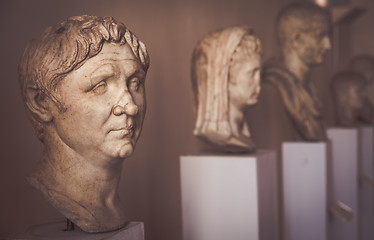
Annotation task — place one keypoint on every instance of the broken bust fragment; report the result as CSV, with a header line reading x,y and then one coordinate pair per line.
x,y
352,105
82,83
225,81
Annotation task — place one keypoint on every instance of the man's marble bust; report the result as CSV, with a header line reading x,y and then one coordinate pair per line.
x,y
303,35
364,64
352,106
82,82
226,80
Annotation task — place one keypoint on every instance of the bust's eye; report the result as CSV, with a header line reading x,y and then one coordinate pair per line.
x,y
99,88
134,84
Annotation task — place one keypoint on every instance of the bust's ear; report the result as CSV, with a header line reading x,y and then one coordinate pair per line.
x,y
301,39
296,40
37,103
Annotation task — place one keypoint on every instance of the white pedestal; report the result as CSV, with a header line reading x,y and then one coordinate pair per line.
x,y
305,190
367,154
229,197
54,230
345,180
366,189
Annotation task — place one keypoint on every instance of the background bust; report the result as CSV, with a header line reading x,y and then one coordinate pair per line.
x,y
226,80
82,82
364,64
303,35
352,106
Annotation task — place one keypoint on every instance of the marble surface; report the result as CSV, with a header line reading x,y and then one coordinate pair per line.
x,y
225,81
303,33
83,85
364,64
351,99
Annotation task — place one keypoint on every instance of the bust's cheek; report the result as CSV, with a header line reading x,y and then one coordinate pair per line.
x,y
139,97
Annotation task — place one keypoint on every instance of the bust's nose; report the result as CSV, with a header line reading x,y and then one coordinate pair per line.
x,y
129,109
126,105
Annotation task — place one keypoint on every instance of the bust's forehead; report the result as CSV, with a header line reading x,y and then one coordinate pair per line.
x,y
319,23
112,56
301,18
112,52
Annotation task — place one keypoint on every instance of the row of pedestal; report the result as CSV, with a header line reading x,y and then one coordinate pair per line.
x,y
327,192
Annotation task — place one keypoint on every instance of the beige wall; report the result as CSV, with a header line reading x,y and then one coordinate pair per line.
x,y
356,37
170,29
362,29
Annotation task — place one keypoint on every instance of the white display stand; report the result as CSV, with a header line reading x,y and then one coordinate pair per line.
x,y
367,188
230,197
367,144
54,230
305,190
345,180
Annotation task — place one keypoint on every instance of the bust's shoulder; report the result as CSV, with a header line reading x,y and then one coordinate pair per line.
x,y
273,64
275,73
274,69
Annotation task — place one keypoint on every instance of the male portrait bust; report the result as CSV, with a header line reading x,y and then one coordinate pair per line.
x,y
82,82
352,106
364,64
225,81
303,35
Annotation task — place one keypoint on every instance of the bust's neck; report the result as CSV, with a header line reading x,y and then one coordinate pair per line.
x,y
240,139
77,188
296,66
236,119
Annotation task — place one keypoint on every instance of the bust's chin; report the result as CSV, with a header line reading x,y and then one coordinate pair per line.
x,y
125,151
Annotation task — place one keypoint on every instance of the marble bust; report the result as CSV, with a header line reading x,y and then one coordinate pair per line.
x,y
82,82
303,35
352,106
364,64
225,81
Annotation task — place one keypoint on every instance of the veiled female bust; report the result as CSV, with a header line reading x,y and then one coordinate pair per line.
x,y
225,81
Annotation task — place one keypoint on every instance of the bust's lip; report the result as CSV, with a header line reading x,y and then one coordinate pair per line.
x,y
124,131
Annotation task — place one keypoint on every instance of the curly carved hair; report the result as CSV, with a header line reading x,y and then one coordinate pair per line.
x,y
299,17
64,47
